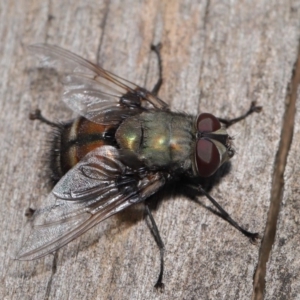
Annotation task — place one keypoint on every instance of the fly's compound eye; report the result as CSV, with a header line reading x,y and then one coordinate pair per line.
x,y
207,157
207,123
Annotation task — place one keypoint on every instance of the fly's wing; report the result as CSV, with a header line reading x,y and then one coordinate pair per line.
x,y
93,92
96,188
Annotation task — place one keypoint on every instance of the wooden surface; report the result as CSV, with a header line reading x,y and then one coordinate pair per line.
x,y
218,56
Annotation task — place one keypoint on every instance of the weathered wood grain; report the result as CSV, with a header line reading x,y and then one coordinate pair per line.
x,y
282,281
218,56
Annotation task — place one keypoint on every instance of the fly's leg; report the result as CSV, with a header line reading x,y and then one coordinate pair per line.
x,y
134,98
253,108
156,49
155,232
224,214
37,115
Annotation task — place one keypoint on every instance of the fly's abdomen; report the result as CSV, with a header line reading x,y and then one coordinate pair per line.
x,y
75,140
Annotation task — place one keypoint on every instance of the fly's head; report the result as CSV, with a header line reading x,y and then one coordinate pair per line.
x,y
213,145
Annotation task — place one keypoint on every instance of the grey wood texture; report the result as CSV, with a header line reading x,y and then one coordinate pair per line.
x,y
218,56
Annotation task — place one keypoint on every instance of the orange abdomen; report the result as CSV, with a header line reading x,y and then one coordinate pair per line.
x,y
75,140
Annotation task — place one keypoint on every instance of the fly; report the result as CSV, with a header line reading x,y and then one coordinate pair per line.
x,y
124,147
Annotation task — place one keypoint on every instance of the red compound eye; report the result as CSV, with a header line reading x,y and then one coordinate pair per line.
x,y
207,123
207,157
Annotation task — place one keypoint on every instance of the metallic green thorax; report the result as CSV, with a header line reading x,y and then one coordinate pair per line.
x,y
159,139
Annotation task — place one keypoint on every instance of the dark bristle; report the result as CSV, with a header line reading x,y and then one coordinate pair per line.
x,y
53,146
52,155
54,161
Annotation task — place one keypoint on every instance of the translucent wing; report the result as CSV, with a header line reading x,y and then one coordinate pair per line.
x,y
93,92
96,188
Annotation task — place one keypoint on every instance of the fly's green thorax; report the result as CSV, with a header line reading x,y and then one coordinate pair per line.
x,y
159,139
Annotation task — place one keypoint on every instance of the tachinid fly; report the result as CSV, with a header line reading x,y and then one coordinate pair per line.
x,y
125,146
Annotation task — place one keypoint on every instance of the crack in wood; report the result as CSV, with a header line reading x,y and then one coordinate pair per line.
x,y
54,269
277,187
103,26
